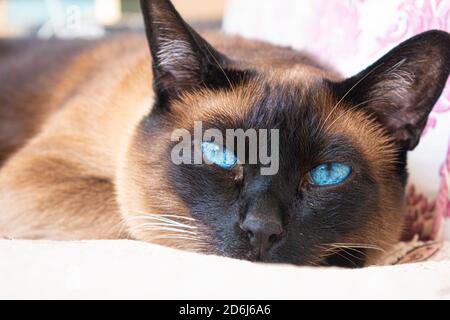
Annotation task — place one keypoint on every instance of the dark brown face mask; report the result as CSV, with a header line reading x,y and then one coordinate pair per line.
x,y
366,124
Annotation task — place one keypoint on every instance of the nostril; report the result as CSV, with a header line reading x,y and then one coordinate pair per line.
x,y
262,232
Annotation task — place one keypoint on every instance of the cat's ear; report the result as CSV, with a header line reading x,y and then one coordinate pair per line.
x,y
182,59
401,88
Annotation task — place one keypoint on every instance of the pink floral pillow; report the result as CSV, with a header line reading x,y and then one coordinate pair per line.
x,y
349,35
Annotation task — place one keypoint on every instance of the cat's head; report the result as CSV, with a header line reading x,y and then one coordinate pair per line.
x,y
339,156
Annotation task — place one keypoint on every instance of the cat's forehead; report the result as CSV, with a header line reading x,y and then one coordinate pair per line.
x,y
304,110
264,101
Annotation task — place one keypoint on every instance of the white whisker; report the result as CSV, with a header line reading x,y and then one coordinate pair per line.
x,y
355,107
175,236
355,245
165,215
346,94
162,219
160,227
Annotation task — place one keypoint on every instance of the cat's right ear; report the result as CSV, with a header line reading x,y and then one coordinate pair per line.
x,y
182,59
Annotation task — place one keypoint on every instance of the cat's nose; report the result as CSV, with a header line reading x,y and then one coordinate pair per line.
x,y
263,232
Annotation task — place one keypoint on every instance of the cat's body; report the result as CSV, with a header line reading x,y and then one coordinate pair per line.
x,y
85,142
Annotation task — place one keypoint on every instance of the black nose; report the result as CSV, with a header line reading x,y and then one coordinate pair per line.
x,y
262,231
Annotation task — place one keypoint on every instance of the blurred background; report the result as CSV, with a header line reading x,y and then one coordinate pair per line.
x,y
92,18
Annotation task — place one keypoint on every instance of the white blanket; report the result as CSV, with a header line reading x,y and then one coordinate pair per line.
x,y
136,270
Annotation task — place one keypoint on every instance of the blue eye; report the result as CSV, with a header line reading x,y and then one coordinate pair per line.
x,y
328,174
221,157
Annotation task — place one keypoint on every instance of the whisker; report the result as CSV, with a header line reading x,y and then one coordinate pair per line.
x,y
194,241
314,263
174,236
162,219
220,67
346,250
164,215
337,248
346,258
346,94
355,107
357,245
159,227
164,223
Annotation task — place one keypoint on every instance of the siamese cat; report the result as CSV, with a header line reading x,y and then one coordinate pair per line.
x,y
86,138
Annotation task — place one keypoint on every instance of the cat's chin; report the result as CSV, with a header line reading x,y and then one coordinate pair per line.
x,y
344,258
339,259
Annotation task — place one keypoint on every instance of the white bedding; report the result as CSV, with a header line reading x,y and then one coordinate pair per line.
x,y
129,269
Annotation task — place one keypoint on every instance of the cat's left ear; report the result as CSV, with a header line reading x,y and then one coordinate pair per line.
x,y
402,87
182,59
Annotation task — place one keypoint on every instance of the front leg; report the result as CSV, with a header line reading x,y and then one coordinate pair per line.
x,y
45,196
